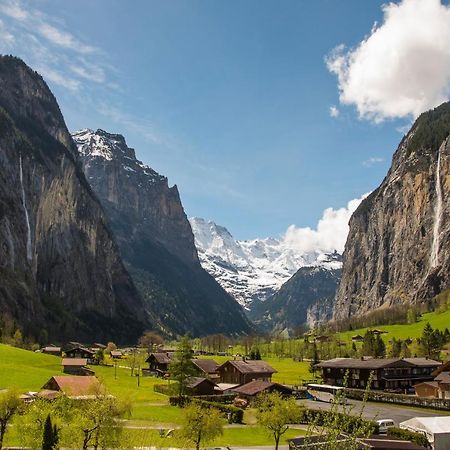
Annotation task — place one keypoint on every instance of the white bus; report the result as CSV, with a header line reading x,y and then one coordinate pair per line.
x,y
324,392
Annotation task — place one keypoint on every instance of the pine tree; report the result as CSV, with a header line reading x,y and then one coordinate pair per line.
x,y
181,368
50,435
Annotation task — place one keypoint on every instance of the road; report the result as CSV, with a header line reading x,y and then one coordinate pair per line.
x,y
375,411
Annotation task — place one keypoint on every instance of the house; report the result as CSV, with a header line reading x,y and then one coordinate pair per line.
x,y
76,366
82,352
52,350
244,371
439,387
74,387
116,354
436,429
253,388
376,442
321,339
388,373
97,346
159,363
206,368
357,338
200,386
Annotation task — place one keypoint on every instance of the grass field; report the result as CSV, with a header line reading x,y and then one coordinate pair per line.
x,y
414,330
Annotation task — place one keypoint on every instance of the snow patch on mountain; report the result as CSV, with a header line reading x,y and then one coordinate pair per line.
x,y
254,269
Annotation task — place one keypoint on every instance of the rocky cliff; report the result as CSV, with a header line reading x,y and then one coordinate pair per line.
x,y
156,239
398,247
60,268
304,300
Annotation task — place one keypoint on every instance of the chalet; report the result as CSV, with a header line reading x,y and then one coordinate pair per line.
x,y
244,371
206,368
439,387
52,350
116,354
321,339
159,363
97,346
76,366
200,386
82,352
397,374
74,387
357,338
251,390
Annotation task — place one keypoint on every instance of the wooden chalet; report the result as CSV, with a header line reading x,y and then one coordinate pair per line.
x,y
52,350
74,387
394,374
439,387
76,366
200,386
82,352
116,354
206,368
244,371
159,363
254,388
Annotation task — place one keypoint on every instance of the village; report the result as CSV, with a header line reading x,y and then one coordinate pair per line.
x,y
406,400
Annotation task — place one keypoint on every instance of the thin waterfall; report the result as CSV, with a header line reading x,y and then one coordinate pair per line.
x,y
27,218
434,254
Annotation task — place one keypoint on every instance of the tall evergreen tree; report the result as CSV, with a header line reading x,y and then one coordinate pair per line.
x,y
181,368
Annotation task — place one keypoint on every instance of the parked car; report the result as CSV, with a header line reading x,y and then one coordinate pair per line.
x,y
384,424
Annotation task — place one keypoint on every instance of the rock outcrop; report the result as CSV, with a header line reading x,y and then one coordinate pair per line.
x,y
156,240
398,247
60,268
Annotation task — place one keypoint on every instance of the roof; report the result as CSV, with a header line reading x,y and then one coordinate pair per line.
x,y
206,365
82,349
432,425
251,366
227,386
161,358
116,353
443,377
76,385
193,382
433,384
375,363
48,394
52,348
79,362
254,387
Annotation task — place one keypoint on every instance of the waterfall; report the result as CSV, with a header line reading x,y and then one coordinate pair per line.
x,y
27,218
434,254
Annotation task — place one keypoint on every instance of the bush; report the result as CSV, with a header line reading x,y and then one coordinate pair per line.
x,y
234,414
351,423
417,438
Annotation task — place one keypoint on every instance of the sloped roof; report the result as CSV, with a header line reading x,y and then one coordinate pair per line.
x,y
79,362
251,366
161,358
193,382
433,384
443,377
206,365
52,349
375,363
257,386
432,425
75,385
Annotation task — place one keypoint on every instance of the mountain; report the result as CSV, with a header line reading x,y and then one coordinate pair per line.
x,y
306,299
156,240
252,271
398,247
60,268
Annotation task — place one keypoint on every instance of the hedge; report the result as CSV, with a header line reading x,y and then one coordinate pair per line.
x,y
417,438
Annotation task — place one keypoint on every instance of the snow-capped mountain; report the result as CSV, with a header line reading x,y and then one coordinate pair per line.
x,y
254,269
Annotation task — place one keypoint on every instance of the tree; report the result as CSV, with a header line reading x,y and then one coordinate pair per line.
x,y
110,346
430,342
200,424
150,340
100,355
396,348
9,405
276,413
181,368
368,345
50,437
379,349
411,315
314,359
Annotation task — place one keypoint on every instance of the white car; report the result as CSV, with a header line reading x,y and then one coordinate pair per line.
x,y
384,424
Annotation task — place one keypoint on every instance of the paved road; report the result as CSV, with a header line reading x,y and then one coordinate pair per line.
x,y
373,410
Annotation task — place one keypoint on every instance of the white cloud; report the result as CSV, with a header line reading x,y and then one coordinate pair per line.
x,y
403,67
63,38
334,111
372,161
329,235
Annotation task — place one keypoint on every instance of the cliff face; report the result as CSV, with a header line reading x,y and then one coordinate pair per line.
x,y
302,301
397,250
156,240
60,268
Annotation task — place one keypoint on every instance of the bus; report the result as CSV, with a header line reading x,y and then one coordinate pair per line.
x,y
324,392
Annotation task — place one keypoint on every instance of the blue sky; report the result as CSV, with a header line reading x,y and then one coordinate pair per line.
x,y
230,99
